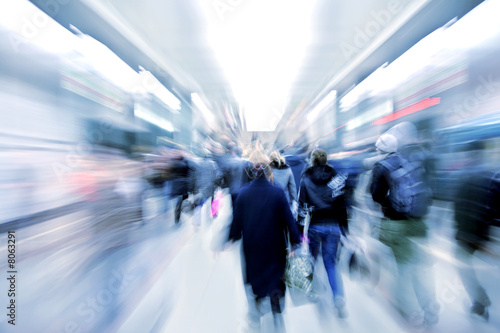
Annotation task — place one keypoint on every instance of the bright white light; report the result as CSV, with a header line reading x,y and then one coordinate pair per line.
x,y
417,58
263,114
195,98
375,83
325,102
389,77
476,27
261,44
35,27
154,86
147,115
106,63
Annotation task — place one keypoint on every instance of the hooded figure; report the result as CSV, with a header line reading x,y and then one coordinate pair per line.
x,y
405,133
400,151
387,143
399,185
322,191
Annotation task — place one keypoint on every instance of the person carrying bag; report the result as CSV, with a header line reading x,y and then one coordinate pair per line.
x,y
299,271
322,188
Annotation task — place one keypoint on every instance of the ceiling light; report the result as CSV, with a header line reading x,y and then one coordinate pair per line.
x,y
321,106
196,99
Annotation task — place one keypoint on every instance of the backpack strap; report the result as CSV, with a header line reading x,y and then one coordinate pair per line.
x,y
389,166
402,166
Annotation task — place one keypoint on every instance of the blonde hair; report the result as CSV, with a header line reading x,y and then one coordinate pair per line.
x,y
256,154
277,160
260,162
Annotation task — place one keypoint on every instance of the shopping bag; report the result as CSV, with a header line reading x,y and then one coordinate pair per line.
x,y
221,222
299,271
298,277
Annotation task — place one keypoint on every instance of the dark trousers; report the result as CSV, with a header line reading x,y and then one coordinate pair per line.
x,y
178,208
233,198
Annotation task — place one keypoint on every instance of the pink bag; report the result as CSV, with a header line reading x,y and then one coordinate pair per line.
x,y
216,204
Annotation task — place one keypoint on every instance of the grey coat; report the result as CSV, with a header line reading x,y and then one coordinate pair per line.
x,y
283,177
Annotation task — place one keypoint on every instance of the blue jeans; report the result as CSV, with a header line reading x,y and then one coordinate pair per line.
x,y
328,236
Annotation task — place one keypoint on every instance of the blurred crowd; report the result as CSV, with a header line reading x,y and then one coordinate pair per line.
x,y
378,206
376,202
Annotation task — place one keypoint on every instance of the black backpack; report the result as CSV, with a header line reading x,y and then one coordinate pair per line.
x,y
409,194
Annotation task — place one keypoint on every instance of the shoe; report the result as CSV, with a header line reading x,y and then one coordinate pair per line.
x,y
341,307
279,323
342,312
416,320
431,319
253,323
480,312
431,315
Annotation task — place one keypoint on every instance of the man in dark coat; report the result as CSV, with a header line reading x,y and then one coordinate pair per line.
x,y
261,217
473,218
182,175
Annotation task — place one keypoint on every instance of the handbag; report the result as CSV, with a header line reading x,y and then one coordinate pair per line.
x,y
299,272
216,203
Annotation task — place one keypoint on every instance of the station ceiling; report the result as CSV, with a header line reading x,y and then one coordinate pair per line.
x,y
169,38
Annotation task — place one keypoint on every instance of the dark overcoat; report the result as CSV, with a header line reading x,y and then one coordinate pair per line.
x,y
261,217
472,215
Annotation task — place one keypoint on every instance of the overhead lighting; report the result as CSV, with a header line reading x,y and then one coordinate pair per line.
x,y
35,27
325,103
154,86
261,60
476,28
373,83
113,68
410,10
152,118
106,62
196,99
